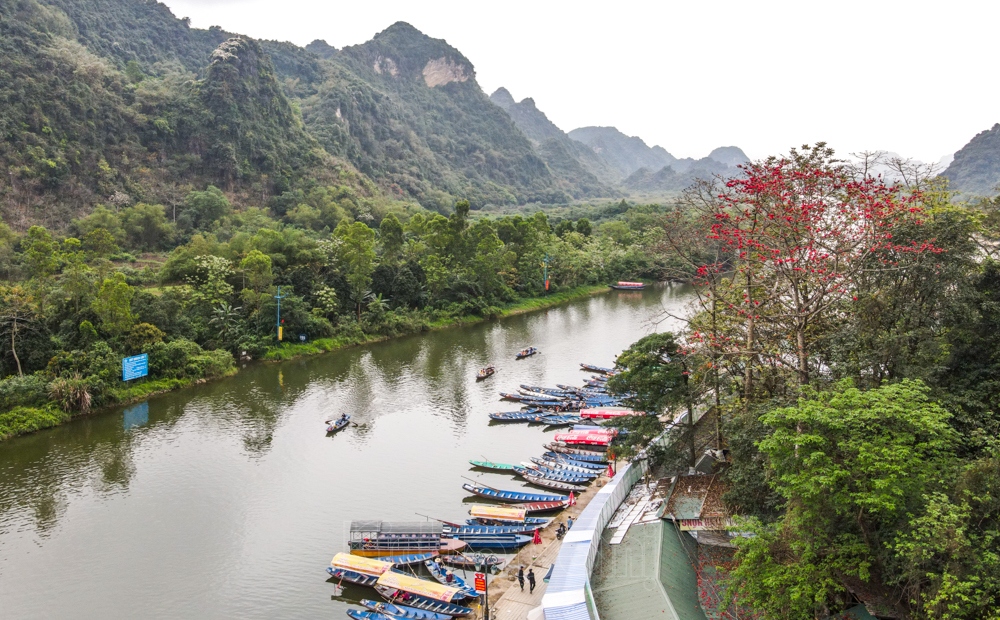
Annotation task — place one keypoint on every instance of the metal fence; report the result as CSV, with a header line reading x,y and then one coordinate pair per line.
x,y
568,595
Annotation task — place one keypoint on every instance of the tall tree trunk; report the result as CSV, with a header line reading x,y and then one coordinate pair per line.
x,y
748,370
13,335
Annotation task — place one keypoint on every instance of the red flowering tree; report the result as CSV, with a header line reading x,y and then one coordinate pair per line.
x,y
800,231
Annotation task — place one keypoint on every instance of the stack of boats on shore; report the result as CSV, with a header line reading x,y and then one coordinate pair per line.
x,y
387,556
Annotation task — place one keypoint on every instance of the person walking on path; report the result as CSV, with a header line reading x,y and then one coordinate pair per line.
x,y
520,577
570,521
531,581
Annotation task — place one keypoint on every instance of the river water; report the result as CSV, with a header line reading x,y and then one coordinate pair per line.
x,y
227,500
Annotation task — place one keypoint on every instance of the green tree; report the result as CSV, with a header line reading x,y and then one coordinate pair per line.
x,y
113,305
852,467
40,252
356,253
146,227
257,268
99,243
391,236
202,209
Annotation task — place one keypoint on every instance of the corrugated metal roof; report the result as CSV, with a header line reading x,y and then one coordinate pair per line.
x,y
396,527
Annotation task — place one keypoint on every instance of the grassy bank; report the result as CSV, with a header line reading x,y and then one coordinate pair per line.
x,y
292,350
22,420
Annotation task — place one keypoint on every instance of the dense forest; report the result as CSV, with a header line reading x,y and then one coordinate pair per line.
x,y
845,335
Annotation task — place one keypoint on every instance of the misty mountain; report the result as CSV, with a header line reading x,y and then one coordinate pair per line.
x,y
975,168
625,154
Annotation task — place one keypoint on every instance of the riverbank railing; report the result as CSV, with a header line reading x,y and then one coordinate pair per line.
x,y
568,595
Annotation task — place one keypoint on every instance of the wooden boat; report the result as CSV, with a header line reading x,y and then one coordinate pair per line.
x,y
367,615
441,574
397,597
529,473
523,353
339,424
511,497
350,576
563,448
504,544
492,465
562,473
401,611
599,369
443,547
408,560
514,416
581,458
544,506
509,396
607,413
502,515
474,562
353,569
550,484
558,420
588,468
465,532
628,286
488,371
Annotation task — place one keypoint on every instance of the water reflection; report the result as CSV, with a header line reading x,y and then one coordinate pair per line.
x,y
228,499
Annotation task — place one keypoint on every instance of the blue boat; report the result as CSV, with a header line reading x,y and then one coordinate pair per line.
x,y
367,615
350,576
506,543
408,560
465,532
558,420
402,611
564,472
511,497
586,468
514,416
582,458
339,424
566,477
523,353
396,597
600,369
441,574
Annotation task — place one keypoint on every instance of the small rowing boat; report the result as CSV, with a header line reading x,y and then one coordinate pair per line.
x,y
492,465
397,597
504,544
523,353
466,532
580,458
514,416
583,468
628,286
338,425
447,577
474,562
408,560
488,371
511,497
562,473
564,448
552,475
550,484
401,611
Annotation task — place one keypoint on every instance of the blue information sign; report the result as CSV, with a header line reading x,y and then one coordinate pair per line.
x,y
135,367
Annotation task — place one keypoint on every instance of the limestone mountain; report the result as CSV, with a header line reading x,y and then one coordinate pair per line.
x,y
580,170
975,169
625,154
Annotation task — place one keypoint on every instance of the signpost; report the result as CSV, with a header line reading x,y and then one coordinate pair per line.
x,y
484,563
135,367
278,320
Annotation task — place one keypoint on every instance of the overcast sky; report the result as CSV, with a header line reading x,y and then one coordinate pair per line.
x,y
914,77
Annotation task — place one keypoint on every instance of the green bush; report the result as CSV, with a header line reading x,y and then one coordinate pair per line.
x,y
27,391
23,420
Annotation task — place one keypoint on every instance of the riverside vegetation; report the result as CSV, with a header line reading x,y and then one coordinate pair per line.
x,y
845,332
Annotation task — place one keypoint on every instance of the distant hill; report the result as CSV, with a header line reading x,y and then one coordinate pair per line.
x,y
976,166
581,171
625,154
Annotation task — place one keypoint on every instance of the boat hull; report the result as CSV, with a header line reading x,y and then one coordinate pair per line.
x,y
419,602
511,497
402,611
447,547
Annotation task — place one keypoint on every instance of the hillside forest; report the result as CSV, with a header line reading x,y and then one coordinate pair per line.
x,y
844,342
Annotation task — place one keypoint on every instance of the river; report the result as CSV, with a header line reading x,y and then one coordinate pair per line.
x,y
227,500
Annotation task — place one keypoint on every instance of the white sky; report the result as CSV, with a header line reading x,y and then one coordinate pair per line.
x,y
910,76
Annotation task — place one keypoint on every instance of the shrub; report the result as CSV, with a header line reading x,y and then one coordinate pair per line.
x,y
27,391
